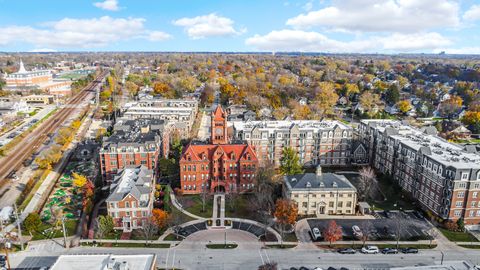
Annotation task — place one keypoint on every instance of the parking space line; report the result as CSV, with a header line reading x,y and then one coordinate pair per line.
x,y
266,255
261,257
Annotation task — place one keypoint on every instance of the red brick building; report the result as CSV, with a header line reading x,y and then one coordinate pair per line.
x,y
219,166
133,142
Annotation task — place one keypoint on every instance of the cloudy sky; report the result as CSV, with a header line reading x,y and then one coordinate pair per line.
x,y
370,26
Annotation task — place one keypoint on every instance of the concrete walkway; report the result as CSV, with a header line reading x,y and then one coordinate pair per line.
x,y
177,205
215,216
180,207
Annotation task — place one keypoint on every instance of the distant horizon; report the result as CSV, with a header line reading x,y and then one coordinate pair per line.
x,y
249,52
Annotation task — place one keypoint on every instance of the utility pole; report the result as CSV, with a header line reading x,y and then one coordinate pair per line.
x,y
19,227
64,232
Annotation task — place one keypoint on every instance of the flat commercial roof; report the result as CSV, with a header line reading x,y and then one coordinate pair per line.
x,y
100,261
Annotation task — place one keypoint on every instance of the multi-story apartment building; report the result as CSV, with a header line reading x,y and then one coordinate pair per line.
x,y
130,202
444,177
133,142
180,112
321,193
218,165
326,143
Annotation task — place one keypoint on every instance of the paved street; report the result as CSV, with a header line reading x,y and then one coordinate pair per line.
x,y
251,256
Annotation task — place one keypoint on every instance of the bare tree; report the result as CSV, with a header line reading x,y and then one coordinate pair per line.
x,y
432,235
204,196
262,201
367,182
149,229
400,225
367,229
231,200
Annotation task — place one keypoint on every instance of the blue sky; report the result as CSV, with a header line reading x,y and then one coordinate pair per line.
x,y
384,26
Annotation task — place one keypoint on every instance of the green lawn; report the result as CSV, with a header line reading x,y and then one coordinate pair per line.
x,y
458,236
193,204
70,226
280,246
130,245
222,246
172,237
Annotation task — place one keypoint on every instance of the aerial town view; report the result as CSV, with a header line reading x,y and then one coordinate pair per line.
x,y
269,135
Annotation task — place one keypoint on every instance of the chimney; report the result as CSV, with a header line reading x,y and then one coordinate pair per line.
x,y
318,172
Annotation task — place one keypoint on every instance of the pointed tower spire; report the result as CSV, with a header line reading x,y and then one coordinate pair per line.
x,y
22,67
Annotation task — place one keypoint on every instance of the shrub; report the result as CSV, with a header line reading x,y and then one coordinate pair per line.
x,y
451,226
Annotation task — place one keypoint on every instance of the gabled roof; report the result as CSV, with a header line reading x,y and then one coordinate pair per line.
x,y
229,151
132,180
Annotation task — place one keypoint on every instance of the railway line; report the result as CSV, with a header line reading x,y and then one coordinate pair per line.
x,y
37,137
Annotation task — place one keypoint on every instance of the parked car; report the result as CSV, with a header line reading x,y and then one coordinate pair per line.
x,y
370,250
347,251
303,268
317,268
389,251
316,235
387,214
410,250
3,261
357,233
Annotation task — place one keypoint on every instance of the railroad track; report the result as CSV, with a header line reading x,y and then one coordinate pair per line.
x,y
25,148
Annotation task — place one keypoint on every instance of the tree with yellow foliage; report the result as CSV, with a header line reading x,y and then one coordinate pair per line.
x,y
326,98
79,180
404,106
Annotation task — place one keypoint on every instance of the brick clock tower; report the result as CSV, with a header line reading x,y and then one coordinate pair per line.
x,y
219,126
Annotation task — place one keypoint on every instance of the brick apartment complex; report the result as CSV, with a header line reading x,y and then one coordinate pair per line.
x,y
130,202
326,143
443,177
219,165
180,113
133,142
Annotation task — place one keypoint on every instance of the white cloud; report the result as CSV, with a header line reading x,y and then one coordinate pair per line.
x,y
210,25
78,33
111,5
43,50
308,6
473,13
158,36
405,16
297,40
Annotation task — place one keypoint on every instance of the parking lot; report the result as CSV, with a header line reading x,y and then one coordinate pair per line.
x,y
384,227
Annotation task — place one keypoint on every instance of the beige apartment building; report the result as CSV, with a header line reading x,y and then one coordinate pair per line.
x,y
326,143
321,193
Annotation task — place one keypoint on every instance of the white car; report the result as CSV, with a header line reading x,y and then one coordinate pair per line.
x,y
357,232
316,233
370,250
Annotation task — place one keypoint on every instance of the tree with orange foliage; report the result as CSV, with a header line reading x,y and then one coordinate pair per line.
x,y
332,232
160,218
286,213
472,120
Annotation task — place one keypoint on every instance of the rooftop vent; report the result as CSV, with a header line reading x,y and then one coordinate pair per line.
x,y
308,185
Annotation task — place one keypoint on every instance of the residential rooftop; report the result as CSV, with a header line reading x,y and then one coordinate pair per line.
x,y
135,180
317,181
288,124
430,144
